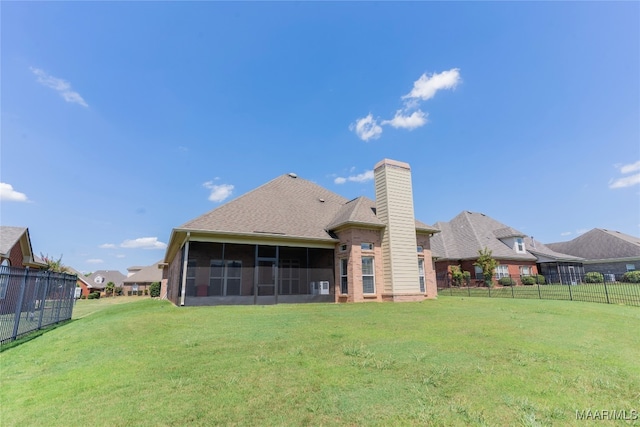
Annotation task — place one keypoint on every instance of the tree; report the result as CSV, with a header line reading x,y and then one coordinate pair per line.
x,y
110,289
488,265
54,265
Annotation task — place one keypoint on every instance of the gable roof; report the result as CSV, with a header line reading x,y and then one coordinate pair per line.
x,y
148,274
469,232
99,279
10,236
359,211
540,250
600,244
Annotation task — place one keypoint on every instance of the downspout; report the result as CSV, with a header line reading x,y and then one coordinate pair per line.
x,y
185,263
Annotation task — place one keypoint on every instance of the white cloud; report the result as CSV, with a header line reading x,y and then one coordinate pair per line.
x,y
362,177
8,194
340,180
427,85
143,243
107,246
94,261
565,233
627,181
415,120
366,128
120,256
632,167
59,85
218,192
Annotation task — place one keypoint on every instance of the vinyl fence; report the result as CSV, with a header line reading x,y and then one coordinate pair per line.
x,y
33,299
609,289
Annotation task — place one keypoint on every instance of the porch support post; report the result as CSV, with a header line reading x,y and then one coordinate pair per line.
x,y
185,263
255,278
276,278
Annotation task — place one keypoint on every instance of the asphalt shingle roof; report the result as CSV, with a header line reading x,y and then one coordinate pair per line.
x,y
599,244
107,276
9,236
469,232
291,207
148,274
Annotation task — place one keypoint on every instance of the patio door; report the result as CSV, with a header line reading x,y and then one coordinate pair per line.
x,y
266,279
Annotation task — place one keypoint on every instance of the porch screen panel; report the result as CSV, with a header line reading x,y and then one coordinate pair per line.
x,y
234,277
216,277
289,277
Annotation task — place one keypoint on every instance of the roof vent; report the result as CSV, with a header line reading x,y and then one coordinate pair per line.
x,y
321,200
293,175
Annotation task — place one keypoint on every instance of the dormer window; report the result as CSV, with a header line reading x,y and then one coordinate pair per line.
x,y
520,245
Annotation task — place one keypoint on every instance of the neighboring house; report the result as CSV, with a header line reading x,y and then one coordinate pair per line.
x,y
460,240
291,240
16,250
85,285
99,279
139,282
604,251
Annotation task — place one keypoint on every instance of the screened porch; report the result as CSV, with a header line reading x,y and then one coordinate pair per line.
x,y
229,273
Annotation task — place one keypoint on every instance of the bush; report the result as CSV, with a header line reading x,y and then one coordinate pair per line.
x,y
540,279
528,280
594,277
506,281
94,295
631,276
154,289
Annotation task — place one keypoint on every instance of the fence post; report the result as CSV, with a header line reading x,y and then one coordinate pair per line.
x,y
606,292
16,320
469,290
570,294
512,293
44,299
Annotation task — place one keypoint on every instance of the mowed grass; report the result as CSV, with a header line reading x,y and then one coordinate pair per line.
x,y
454,361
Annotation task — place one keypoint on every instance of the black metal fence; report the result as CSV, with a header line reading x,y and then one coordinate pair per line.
x,y
33,299
607,288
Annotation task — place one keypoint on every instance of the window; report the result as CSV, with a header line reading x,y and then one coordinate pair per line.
x,y
502,271
368,279
525,270
478,271
421,273
520,245
420,249
366,246
631,267
224,277
344,282
343,248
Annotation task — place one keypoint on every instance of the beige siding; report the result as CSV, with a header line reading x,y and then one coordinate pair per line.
x,y
394,203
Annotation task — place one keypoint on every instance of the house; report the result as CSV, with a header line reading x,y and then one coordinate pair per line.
x,y
86,287
460,240
16,250
101,278
604,251
291,240
140,279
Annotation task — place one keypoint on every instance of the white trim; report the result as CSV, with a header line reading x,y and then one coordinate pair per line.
x,y
185,264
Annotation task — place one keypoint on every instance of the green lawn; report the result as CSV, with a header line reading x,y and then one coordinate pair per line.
x,y
454,361
612,293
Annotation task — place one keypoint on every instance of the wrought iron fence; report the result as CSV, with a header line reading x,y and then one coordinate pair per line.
x,y
602,288
33,299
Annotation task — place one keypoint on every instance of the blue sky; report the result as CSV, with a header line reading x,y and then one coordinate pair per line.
x,y
122,120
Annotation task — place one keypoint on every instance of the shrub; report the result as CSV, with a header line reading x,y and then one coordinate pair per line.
x,y
94,295
506,281
631,276
154,289
528,280
540,279
593,277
